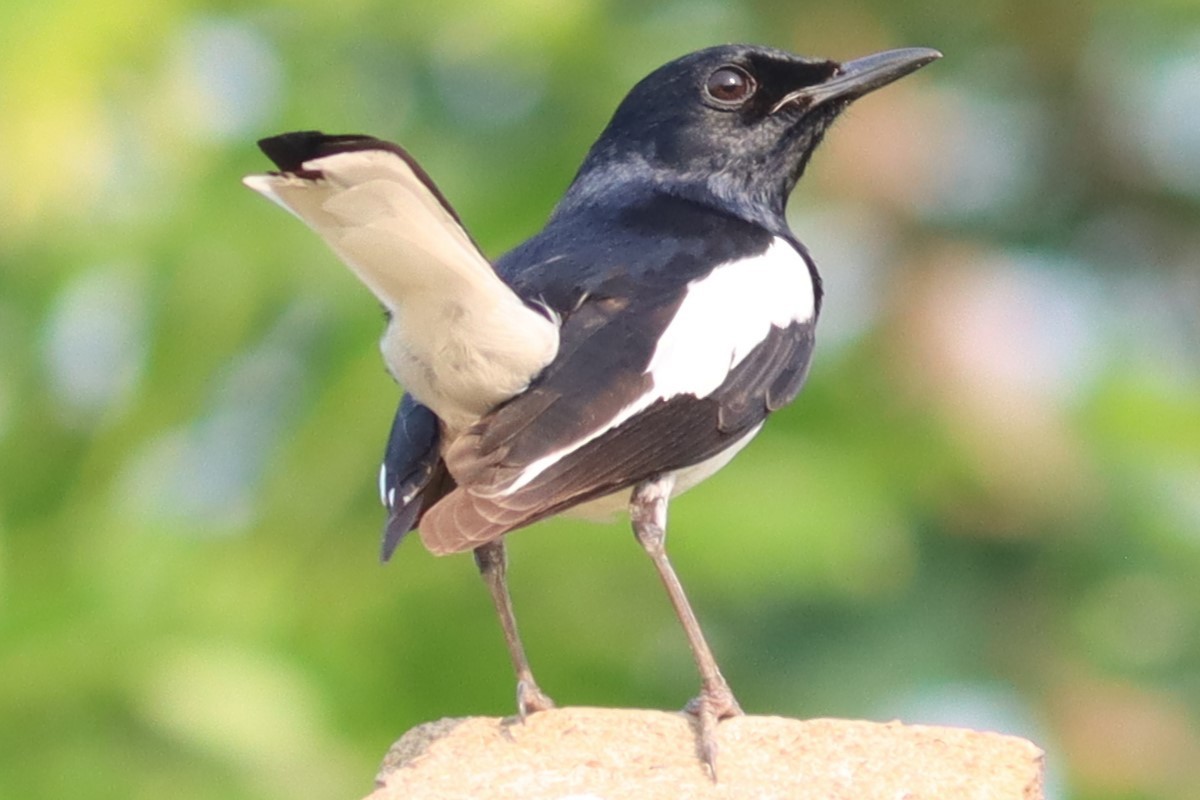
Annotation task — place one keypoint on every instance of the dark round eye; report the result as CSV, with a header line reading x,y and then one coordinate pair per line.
x,y
730,85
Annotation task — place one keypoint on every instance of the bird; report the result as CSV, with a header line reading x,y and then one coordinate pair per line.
x,y
619,356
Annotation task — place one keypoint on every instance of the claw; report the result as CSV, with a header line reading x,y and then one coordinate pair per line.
x,y
531,699
715,703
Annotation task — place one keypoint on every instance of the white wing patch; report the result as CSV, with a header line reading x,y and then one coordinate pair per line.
x,y
723,316
460,340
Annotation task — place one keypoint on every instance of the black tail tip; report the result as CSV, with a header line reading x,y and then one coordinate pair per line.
x,y
289,151
399,523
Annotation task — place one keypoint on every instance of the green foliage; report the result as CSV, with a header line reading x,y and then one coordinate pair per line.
x,y
984,508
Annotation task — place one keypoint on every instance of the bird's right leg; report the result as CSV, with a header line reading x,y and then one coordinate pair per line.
x,y
493,566
648,512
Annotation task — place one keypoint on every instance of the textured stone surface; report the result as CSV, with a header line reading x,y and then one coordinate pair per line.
x,y
610,754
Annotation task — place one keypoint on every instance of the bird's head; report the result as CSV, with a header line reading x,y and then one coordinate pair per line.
x,y
734,125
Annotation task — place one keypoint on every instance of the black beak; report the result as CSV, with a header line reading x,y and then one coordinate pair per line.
x,y
855,78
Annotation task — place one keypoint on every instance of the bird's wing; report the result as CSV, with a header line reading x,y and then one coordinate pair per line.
x,y
647,381
412,476
384,217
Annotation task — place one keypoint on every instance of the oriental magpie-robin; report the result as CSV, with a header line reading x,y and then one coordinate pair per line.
x,y
621,355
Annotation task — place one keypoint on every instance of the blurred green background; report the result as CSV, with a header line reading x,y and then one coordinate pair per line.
x,y
984,509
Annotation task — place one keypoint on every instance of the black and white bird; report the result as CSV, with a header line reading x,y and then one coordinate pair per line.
x,y
620,356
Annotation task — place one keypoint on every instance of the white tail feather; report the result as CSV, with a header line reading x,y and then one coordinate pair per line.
x,y
460,339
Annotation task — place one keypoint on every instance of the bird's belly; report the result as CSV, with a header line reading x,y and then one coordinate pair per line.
x,y
606,508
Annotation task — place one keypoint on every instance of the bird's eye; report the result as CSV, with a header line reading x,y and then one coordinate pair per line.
x,y
730,85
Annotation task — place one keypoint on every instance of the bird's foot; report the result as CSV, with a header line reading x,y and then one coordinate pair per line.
x,y
531,699
715,703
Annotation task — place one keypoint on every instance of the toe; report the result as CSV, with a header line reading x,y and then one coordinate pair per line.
x,y
531,699
714,704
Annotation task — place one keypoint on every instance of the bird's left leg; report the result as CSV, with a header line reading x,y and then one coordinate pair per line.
x,y
492,561
648,511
